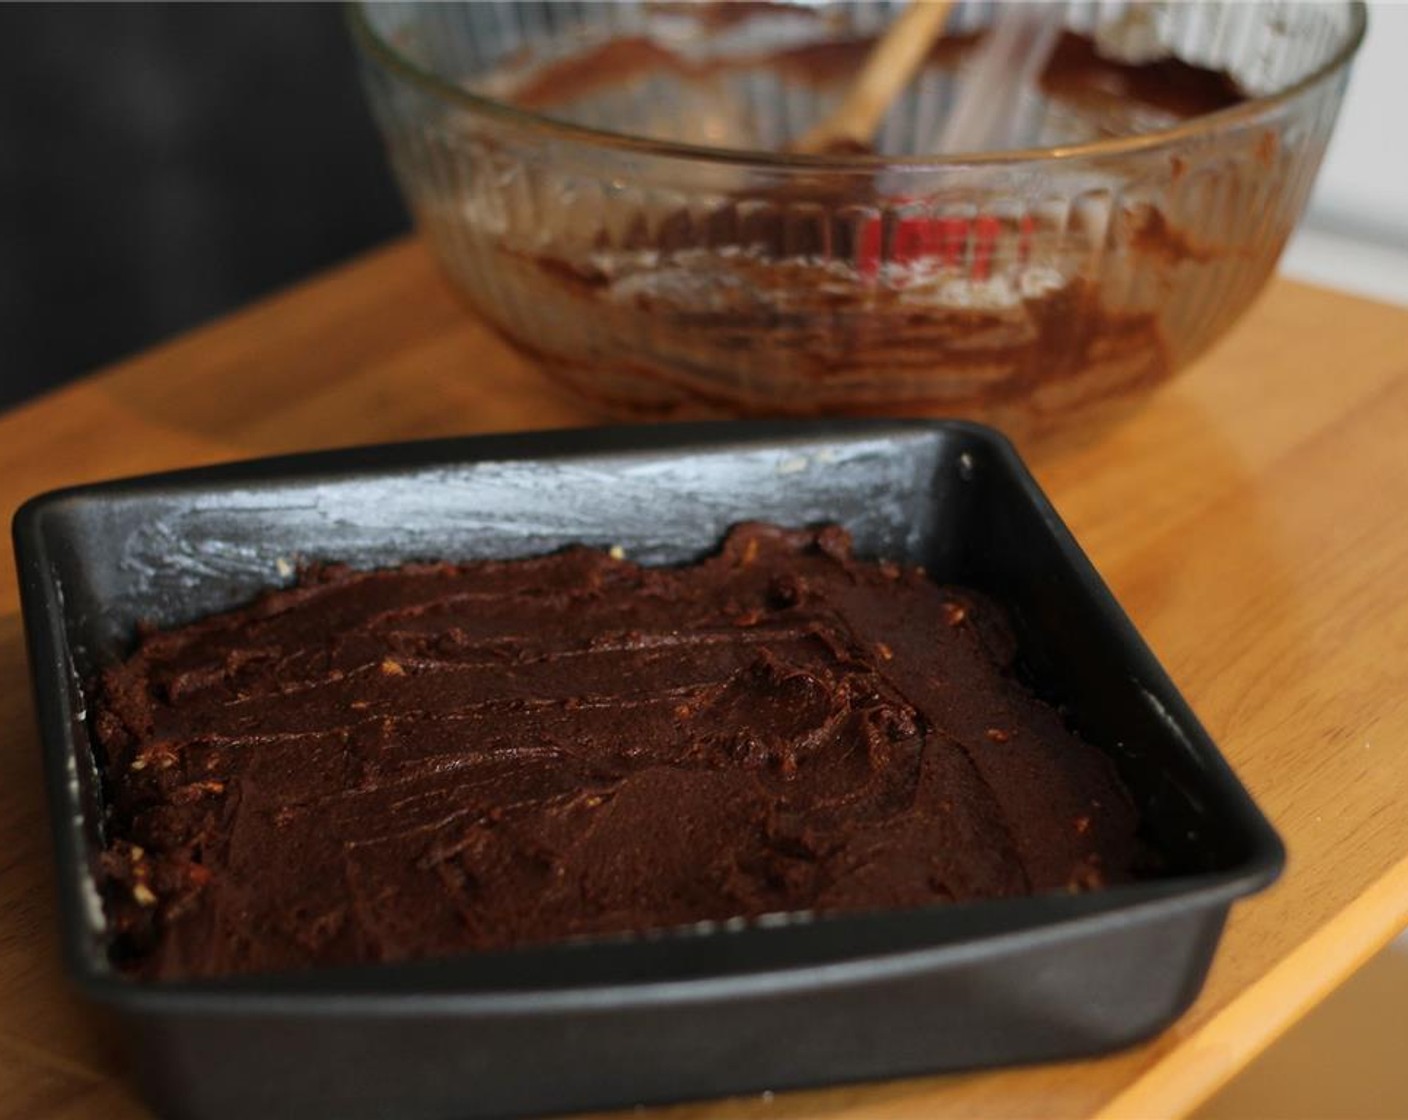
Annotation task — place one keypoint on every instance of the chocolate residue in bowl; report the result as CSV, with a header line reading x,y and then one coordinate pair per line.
x,y
1078,73
438,759
1151,234
830,292
833,347
721,15
616,62
1110,96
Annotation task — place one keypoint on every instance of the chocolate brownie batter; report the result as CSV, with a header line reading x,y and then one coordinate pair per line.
x,y
377,766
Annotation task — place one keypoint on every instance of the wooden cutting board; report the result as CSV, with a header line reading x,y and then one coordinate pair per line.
x,y
1253,519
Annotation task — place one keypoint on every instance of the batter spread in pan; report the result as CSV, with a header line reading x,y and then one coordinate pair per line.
x,y
440,758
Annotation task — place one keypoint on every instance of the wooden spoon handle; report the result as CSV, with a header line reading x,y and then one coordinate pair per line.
x,y
887,70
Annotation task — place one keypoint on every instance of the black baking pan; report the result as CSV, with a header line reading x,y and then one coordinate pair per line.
x,y
710,1011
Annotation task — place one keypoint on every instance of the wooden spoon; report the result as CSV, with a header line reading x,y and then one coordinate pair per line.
x,y
889,67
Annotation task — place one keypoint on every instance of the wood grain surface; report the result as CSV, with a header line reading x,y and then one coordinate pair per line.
x,y
1253,519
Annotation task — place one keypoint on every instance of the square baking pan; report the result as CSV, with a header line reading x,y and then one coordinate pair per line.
x,y
714,1010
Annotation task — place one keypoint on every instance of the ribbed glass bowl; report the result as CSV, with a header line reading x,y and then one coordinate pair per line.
x,y
642,238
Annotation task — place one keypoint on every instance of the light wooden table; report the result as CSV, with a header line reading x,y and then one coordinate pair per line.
x,y
1253,520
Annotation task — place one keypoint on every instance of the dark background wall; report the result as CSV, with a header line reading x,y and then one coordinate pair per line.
x,y
162,164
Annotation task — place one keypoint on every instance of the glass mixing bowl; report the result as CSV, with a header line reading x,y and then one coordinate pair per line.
x,y
607,184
